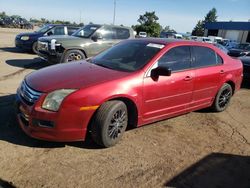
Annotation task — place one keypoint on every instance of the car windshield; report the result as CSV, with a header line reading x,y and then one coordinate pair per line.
x,y
44,28
86,31
127,56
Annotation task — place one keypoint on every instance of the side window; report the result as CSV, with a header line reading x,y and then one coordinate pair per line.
x,y
71,30
219,59
177,58
204,56
106,33
121,33
58,30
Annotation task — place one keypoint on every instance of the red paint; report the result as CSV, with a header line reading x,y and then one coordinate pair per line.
x,y
169,96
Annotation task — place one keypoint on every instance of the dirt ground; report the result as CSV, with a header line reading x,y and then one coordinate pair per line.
x,y
199,149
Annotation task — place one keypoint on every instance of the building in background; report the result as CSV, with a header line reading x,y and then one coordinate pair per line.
x,y
238,31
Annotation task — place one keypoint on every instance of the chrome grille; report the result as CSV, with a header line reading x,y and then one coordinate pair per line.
x,y
29,94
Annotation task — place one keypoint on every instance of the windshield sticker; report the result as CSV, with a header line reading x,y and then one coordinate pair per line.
x,y
155,45
93,28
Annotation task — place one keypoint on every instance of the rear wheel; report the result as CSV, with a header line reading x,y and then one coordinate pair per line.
x,y
109,124
222,99
73,55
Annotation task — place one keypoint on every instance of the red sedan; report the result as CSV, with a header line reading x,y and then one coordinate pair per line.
x,y
134,83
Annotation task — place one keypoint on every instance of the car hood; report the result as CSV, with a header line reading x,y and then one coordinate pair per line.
x,y
71,75
30,34
59,38
235,50
245,60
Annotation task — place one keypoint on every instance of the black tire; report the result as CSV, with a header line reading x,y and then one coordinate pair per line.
x,y
222,98
73,55
109,123
34,48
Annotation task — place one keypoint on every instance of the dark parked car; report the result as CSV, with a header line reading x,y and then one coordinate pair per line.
x,y
86,42
240,50
28,41
246,65
134,83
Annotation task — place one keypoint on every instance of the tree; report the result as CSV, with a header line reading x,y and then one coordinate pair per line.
x,y
148,23
168,29
210,17
198,30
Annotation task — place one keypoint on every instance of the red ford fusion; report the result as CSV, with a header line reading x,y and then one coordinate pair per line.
x,y
134,83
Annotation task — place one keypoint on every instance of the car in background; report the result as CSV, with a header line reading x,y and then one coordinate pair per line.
x,y
204,39
167,34
84,43
192,38
216,39
246,65
230,44
142,34
133,83
221,47
240,50
28,41
170,34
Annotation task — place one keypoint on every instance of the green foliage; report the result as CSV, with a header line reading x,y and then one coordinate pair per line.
x,y
148,23
210,17
199,29
2,14
168,29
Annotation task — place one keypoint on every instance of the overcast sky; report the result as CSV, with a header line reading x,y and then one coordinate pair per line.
x,y
180,15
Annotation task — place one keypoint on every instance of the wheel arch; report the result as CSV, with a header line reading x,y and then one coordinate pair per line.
x,y
232,84
131,107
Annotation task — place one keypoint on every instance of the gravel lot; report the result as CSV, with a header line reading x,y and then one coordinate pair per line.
x,y
199,149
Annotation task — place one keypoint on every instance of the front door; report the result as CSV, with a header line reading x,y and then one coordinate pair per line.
x,y
169,95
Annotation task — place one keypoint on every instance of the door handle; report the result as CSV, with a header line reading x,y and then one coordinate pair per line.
x,y
188,78
222,71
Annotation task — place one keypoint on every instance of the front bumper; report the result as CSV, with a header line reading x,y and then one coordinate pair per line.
x,y
51,58
69,124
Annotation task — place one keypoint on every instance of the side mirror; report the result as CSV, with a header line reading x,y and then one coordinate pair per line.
x,y
49,33
160,71
96,37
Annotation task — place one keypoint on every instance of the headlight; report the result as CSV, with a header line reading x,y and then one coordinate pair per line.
x,y
54,99
25,38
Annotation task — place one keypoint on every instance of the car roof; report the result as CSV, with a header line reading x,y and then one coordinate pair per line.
x,y
170,40
63,25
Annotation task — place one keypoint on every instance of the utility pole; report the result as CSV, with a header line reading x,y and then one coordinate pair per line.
x,y
114,12
80,16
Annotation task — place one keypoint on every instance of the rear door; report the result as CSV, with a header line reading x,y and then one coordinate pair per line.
x,y
169,95
71,30
209,71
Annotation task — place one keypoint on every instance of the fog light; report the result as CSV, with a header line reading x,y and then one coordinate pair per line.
x,y
43,123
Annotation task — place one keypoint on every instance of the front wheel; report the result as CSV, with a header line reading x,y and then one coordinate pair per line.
x,y
109,124
73,55
222,98
34,48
